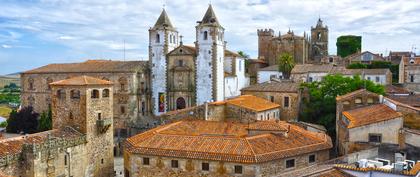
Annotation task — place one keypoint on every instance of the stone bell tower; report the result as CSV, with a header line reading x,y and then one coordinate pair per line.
x,y
86,104
210,47
163,38
319,41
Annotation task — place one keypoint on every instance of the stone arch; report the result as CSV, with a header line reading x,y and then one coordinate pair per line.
x,y
180,103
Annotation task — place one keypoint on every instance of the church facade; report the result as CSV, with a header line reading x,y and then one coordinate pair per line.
x,y
304,49
188,75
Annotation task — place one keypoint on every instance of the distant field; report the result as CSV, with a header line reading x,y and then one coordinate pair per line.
x,y
412,121
5,111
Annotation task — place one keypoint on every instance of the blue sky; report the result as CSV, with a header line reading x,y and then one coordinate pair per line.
x,y
37,32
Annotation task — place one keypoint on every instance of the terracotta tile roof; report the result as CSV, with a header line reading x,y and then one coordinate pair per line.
x,y
270,68
378,71
14,145
348,95
273,86
370,114
411,100
225,141
407,59
252,102
91,66
315,68
415,170
358,54
335,172
392,89
82,81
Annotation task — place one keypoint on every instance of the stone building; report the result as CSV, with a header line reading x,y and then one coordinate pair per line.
x,y
304,49
184,76
395,56
250,108
269,73
213,148
365,57
131,96
285,93
369,125
81,142
409,73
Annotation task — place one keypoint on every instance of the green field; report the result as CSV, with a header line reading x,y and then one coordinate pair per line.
x,y
5,111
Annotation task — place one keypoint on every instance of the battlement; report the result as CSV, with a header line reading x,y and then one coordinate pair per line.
x,y
265,32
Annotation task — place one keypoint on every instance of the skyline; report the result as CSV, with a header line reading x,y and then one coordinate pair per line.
x,y
35,33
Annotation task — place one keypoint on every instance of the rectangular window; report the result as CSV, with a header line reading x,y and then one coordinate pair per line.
x,y
311,158
286,102
411,78
65,159
375,138
290,163
377,79
122,109
205,166
174,163
146,161
272,99
238,169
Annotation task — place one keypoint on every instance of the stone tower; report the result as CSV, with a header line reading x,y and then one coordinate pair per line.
x,y
163,38
264,39
210,47
86,104
319,41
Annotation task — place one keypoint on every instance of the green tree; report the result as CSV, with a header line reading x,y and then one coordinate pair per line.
x,y
320,107
246,58
378,64
45,121
357,66
26,121
286,64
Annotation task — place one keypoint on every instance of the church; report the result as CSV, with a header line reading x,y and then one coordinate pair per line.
x,y
187,75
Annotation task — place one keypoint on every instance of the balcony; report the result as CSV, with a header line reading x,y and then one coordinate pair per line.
x,y
103,124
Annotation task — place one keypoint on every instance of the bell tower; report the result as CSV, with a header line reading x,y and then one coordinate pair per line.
x,y
319,41
163,38
210,46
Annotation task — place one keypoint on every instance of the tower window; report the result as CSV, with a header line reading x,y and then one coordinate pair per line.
x,y
31,84
174,163
319,36
95,94
105,93
286,102
61,94
180,62
157,38
65,160
122,110
170,38
75,94
209,75
205,36
411,78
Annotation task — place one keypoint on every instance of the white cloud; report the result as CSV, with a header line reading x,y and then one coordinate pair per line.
x,y
97,28
5,46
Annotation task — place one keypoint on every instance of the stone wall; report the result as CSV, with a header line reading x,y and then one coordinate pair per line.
x,y
161,166
387,129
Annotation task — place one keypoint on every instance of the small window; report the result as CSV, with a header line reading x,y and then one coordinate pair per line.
x,y
377,79
61,94
411,78
146,161
238,169
205,36
102,161
95,94
209,75
105,93
180,62
174,163
205,166
312,158
346,103
99,116
122,110
75,94
286,102
331,59
358,101
272,99
31,84
65,160
290,163
310,79
375,138
70,115
157,38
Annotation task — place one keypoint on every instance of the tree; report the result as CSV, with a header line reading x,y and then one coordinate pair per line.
x,y
26,121
45,121
347,45
286,64
357,66
378,64
246,58
320,107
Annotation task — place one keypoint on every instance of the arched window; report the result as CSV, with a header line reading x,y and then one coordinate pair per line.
x,y
105,93
157,38
70,115
205,35
173,39
170,38
31,84
95,94
319,36
75,94
61,94
49,80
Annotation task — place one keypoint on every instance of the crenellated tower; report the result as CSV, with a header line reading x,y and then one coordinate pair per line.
x,y
210,46
264,39
163,38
